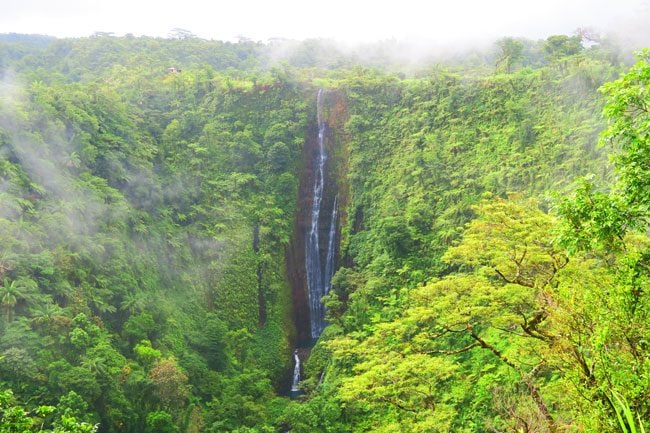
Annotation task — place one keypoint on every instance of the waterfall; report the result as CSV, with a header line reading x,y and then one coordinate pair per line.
x,y
319,220
319,280
331,244
296,372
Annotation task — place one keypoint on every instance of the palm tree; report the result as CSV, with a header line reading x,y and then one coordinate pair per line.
x,y
45,315
133,302
12,292
96,366
5,262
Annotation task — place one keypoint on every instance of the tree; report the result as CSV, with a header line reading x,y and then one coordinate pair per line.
x,y
508,299
160,422
14,291
146,354
15,418
170,383
612,227
628,112
600,221
510,52
178,33
495,314
561,46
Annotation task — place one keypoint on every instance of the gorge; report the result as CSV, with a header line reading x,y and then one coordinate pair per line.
x,y
167,238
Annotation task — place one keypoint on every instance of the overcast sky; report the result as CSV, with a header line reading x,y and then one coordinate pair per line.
x,y
346,20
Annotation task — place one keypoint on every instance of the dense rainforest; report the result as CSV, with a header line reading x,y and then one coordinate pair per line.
x,y
490,213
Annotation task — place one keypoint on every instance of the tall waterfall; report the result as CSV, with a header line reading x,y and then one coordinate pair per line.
x,y
319,274
296,372
331,244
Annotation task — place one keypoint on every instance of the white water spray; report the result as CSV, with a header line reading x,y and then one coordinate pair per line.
x,y
296,372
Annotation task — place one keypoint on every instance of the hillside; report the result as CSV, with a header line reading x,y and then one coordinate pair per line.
x,y
489,261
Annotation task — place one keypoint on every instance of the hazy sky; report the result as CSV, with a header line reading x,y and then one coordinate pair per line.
x,y
348,20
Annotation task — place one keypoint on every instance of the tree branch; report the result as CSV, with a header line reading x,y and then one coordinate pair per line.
x,y
526,378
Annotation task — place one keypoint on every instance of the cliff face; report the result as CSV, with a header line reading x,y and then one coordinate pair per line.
x,y
296,251
334,115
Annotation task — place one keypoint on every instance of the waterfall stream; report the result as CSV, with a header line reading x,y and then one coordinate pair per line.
x,y
296,372
319,274
331,244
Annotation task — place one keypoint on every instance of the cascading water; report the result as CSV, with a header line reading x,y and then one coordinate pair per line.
x,y
296,372
319,274
331,244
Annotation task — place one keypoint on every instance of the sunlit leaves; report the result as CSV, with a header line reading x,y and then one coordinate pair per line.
x,y
511,241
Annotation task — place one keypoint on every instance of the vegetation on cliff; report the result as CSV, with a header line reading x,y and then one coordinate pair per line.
x,y
493,264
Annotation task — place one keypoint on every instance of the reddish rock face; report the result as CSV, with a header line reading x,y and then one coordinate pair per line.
x,y
296,252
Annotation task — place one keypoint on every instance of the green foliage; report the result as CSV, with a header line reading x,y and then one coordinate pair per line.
x,y
510,52
160,422
146,354
613,227
14,418
407,370
627,110
540,327
145,216
625,416
561,46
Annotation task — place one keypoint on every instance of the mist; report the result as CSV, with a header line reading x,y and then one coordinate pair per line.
x,y
431,23
65,211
